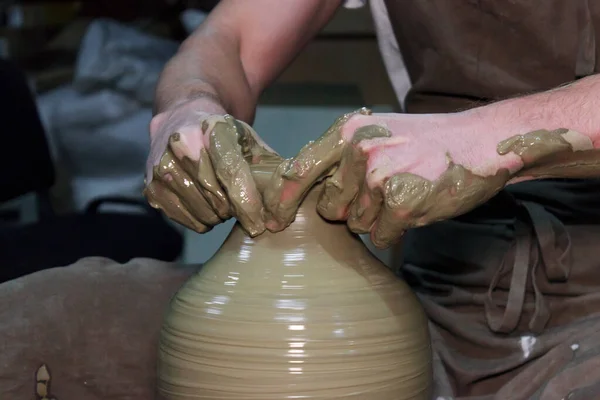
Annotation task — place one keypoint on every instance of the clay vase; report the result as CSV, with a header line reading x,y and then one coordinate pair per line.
x,y
306,313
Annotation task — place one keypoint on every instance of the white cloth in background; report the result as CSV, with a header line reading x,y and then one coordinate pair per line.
x,y
390,51
98,125
123,59
388,46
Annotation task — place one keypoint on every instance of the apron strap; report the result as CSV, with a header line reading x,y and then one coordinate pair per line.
x,y
538,234
505,322
549,231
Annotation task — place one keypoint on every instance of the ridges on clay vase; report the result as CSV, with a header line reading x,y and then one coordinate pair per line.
x,y
306,313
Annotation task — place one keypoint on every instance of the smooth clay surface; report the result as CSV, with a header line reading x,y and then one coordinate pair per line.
x,y
306,313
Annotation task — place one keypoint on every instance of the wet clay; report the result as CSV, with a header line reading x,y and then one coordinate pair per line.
x,y
346,181
315,161
411,201
560,153
202,193
407,200
307,313
545,154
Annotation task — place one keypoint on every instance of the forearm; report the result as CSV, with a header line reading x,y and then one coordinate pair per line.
x,y
239,50
574,106
571,107
209,68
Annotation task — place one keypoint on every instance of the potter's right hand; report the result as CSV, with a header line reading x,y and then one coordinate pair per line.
x,y
198,170
386,173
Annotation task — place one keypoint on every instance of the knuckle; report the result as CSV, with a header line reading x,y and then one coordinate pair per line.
x,y
405,190
155,124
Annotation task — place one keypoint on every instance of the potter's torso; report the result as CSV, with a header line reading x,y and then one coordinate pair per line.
x,y
444,56
517,279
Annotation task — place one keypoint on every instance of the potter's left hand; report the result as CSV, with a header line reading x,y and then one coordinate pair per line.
x,y
385,173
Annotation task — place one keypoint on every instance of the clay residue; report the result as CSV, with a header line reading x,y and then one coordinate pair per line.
x,y
207,179
202,193
230,149
535,145
412,201
316,161
407,200
561,153
232,173
370,132
345,183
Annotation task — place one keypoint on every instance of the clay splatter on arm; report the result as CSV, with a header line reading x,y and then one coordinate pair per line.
x,y
405,199
559,153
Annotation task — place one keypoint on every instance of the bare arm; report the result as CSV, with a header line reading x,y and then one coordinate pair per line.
x,y
239,50
572,108
399,171
197,172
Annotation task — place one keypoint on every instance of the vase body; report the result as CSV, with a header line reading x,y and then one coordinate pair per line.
x,y
307,313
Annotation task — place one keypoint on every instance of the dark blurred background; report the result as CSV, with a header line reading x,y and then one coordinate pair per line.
x,y
76,87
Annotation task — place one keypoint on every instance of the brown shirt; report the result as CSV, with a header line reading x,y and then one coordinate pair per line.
x,y
464,52
512,288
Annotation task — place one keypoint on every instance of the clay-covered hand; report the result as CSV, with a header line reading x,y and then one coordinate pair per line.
x,y
385,173
198,170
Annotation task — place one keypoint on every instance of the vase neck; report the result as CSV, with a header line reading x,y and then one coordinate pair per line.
x,y
307,229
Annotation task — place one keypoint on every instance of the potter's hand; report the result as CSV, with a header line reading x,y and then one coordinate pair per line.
x,y
385,173
198,169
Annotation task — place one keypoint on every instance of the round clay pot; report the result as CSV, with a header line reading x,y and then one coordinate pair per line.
x,y
306,313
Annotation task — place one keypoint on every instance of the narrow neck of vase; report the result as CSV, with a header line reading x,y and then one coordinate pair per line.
x,y
308,224
262,172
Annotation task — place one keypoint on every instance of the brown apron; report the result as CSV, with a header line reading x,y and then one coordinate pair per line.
x,y
513,288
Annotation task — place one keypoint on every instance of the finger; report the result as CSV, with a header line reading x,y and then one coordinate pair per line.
x,y
343,186
254,149
201,171
208,181
233,172
160,197
259,155
458,191
365,209
296,176
405,200
173,176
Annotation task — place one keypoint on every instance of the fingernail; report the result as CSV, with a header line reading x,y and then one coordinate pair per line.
x,y
254,232
274,225
288,168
